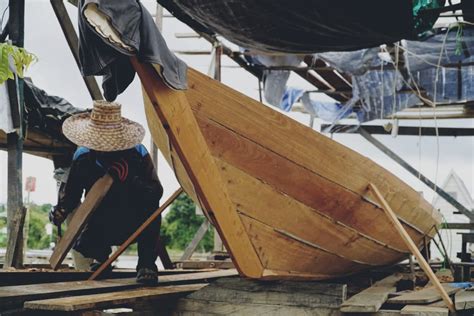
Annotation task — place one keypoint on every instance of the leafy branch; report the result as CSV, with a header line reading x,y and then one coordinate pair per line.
x,y
21,58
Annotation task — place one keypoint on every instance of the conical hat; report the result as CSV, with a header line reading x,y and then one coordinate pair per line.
x,y
104,129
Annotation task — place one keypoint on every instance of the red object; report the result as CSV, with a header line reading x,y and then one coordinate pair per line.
x,y
30,185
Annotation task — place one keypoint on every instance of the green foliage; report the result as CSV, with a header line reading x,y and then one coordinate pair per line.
x,y
181,223
21,57
37,237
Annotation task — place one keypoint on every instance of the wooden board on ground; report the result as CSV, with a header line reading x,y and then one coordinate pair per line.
x,y
14,296
424,296
371,299
112,299
420,310
464,300
79,220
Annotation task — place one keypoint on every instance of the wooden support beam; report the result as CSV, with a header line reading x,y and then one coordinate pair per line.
x,y
79,219
413,248
135,235
417,174
73,42
188,252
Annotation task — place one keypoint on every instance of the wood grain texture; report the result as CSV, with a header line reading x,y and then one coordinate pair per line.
x,y
305,147
292,180
110,300
175,114
424,296
79,219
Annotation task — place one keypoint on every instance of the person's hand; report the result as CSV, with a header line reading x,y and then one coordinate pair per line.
x,y
57,215
118,170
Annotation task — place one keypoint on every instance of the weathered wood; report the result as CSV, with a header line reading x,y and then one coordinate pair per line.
x,y
164,255
71,37
464,300
413,248
188,252
188,307
110,300
14,254
371,299
79,220
424,296
284,293
205,264
14,296
174,112
135,235
420,310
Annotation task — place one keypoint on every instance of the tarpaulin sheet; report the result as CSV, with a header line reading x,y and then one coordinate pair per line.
x,y
300,26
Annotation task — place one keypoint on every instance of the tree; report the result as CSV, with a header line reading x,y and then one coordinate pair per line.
x,y
181,223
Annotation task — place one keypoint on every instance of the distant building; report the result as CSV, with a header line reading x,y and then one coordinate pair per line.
x,y
454,186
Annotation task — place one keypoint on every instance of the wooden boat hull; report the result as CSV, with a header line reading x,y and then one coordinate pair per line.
x,y
287,201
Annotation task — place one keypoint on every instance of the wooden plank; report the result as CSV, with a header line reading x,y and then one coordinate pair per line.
x,y
420,310
283,293
371,299
251,119
135,235
14,296
79,220
413,248
14,251
188,252
174,112
110,300
296,183
464,300
425,296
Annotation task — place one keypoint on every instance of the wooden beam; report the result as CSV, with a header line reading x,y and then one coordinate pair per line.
x,y
420,310
112,299
417,174
188,252
413,248
79,220
14,254
467,226
135,235
402,130
73,42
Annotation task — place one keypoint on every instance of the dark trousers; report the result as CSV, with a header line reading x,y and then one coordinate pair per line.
x,y
111,226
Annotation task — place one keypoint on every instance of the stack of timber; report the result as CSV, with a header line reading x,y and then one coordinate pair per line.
x,y
287,201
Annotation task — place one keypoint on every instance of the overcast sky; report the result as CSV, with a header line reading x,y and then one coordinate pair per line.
x,y
56,72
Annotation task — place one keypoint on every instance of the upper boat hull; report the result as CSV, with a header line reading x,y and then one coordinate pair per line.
x,y
287,201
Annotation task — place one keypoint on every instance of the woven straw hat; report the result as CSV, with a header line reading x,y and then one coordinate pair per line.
x,y
104,129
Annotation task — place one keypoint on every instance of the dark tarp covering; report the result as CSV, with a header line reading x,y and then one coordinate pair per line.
x,y
300,26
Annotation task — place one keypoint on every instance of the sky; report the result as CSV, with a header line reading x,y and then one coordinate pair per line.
x,y
57,73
